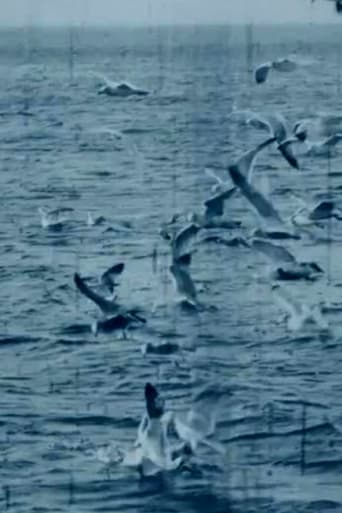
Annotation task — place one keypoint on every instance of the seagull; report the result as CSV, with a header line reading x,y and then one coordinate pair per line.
x,y
152,441
307,215
283,65
54,219
121,89
278,127
94,221
123,317
298,314
198,425
290,268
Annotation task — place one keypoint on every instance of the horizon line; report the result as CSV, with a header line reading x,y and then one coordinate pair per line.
x,y
165,24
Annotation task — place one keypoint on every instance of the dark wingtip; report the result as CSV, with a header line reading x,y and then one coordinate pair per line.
x,y
77,279
235,175
118,268
184,259
316,267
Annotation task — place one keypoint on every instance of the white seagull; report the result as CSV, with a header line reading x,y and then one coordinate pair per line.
x,y
54,219
298,314
152,451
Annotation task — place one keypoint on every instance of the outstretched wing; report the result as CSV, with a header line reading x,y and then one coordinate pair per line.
x,y
261,72
214,206
183,240
109,276
273,251
103,303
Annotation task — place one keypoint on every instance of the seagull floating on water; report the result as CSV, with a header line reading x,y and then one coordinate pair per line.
x,y
152,451
290,268
54,219
121,89
308,215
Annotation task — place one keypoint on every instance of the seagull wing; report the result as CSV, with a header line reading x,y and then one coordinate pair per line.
x,y
324,210
275,252
332,140
184,282
211,174
245,163
183,239
286,301
261,204
108,277
101,302
214,206
261,72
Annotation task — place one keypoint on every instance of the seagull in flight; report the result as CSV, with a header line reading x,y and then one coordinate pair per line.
x,y
284,65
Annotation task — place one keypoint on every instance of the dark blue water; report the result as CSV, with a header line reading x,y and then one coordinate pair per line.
x,y
67,396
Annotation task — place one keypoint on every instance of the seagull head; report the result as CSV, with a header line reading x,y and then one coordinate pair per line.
x,y
95,328
154,404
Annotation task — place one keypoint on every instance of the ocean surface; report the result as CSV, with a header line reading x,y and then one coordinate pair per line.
x,y
67,397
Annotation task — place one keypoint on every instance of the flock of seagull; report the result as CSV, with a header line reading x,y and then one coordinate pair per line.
x,y
153,449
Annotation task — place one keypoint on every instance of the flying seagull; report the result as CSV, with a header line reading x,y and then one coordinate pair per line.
x,y
284,65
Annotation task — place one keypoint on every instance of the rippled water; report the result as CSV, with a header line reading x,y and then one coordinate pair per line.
x,y
66,395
